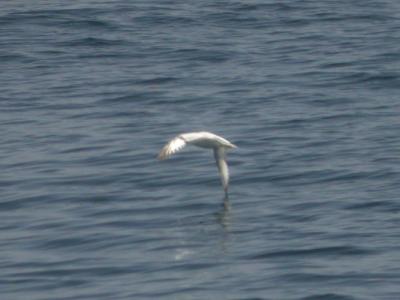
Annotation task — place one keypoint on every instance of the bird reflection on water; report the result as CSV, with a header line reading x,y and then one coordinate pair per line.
x,y
212,229
224,216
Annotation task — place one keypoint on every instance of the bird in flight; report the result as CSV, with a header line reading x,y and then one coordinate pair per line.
x,y
202,139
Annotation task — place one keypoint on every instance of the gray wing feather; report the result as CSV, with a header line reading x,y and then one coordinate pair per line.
x,y
171,147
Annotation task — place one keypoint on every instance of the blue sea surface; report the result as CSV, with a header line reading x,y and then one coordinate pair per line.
x,y
90,91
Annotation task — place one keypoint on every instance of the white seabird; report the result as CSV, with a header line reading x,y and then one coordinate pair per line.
x,y
204,140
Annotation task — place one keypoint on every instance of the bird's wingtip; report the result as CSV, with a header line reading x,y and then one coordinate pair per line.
x,y
161,156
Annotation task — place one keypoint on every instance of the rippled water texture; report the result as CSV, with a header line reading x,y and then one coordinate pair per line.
x,y
91,90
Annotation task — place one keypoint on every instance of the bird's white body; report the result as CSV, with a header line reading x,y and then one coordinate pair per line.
x,y
204,140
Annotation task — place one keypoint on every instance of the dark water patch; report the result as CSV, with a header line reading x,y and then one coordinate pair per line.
x,y
383,80
312,177
158,80
105,115
306,206
204,55
82,272
331,296
65,106
29,281
113,55
338,251
11,205
82,149
337,18
93,24
135,97
26,16
337,117
29,265
191,265
154,224
252,298
325,101
9,58
377,80
23,202
299,218
376,205
16,122
81,18
175,292
155,209
65,243
345,176
335,65
347,279
93,42
160,19
80,181
81,11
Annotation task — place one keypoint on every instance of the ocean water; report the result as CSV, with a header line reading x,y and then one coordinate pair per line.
x,y
91,90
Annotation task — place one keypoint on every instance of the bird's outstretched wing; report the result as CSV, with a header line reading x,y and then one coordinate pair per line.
x,y
219,154
172,147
